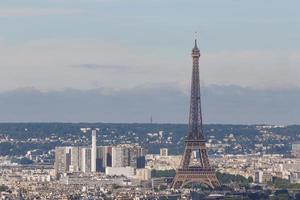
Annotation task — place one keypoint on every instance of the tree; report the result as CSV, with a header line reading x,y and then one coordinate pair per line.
x,y
297,196
250,179
162,173
3,188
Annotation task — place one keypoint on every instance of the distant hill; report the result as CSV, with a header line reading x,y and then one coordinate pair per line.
x,y
18,138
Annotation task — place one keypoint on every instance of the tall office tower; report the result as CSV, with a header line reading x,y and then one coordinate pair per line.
x,y
141,160
94,151
109,156
75,159
101,161
190,171
137,157
128,155
60,164
67,159
119,157
85,159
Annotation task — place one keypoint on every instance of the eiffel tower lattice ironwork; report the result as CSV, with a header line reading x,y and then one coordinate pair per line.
x,y
194,166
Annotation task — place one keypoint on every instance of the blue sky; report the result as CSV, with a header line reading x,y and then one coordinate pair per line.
x,y
52,44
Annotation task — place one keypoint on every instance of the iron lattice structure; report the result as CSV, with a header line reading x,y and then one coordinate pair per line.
x,y
192,169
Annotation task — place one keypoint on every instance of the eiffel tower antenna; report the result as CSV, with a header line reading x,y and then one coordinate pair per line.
x,y
191,171
196,35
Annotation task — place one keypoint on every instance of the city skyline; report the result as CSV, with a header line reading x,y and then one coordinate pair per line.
x,y
149,100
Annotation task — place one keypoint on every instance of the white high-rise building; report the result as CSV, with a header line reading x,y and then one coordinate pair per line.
x,y
85,159
75,159
94,151
67,159
60,160
118,157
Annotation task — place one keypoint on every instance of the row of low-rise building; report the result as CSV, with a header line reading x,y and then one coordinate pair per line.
x,y
262,168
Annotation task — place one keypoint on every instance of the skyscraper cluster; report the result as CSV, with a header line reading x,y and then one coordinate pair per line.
x,y
95,158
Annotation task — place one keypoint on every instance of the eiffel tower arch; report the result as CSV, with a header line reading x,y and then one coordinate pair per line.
x,y
194,166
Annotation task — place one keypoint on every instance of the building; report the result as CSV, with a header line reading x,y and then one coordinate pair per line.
x,y
267,177
67,159
258,177
79,159
60,164
119,157
296,149
295,177
128,155
164,152
109,156
34,154
129,172
103,159
85,159
74,153
143,174
82,159
77,179
94,151
141,160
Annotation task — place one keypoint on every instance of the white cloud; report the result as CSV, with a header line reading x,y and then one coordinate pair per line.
x,y
45,64
260,69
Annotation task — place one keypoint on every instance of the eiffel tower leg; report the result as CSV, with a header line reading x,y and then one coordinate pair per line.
x,y
185,177
176,184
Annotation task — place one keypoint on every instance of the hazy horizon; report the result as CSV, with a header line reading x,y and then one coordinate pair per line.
x,y
166,104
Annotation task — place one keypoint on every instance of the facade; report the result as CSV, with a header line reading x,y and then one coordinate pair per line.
x,y
258,177
143,174
67,159
141,160
164,152
74,153
296,149
103,158
94,151
71,159
128,155
85,159
60,164
120,157
295,177
120,171
109,156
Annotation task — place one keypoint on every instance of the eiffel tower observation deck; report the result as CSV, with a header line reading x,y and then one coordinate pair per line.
x,y
194,166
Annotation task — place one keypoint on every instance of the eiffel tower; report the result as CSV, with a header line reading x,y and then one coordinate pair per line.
x,y
194,166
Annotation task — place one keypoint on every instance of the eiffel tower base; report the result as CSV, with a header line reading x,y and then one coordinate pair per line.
x,y
184,177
